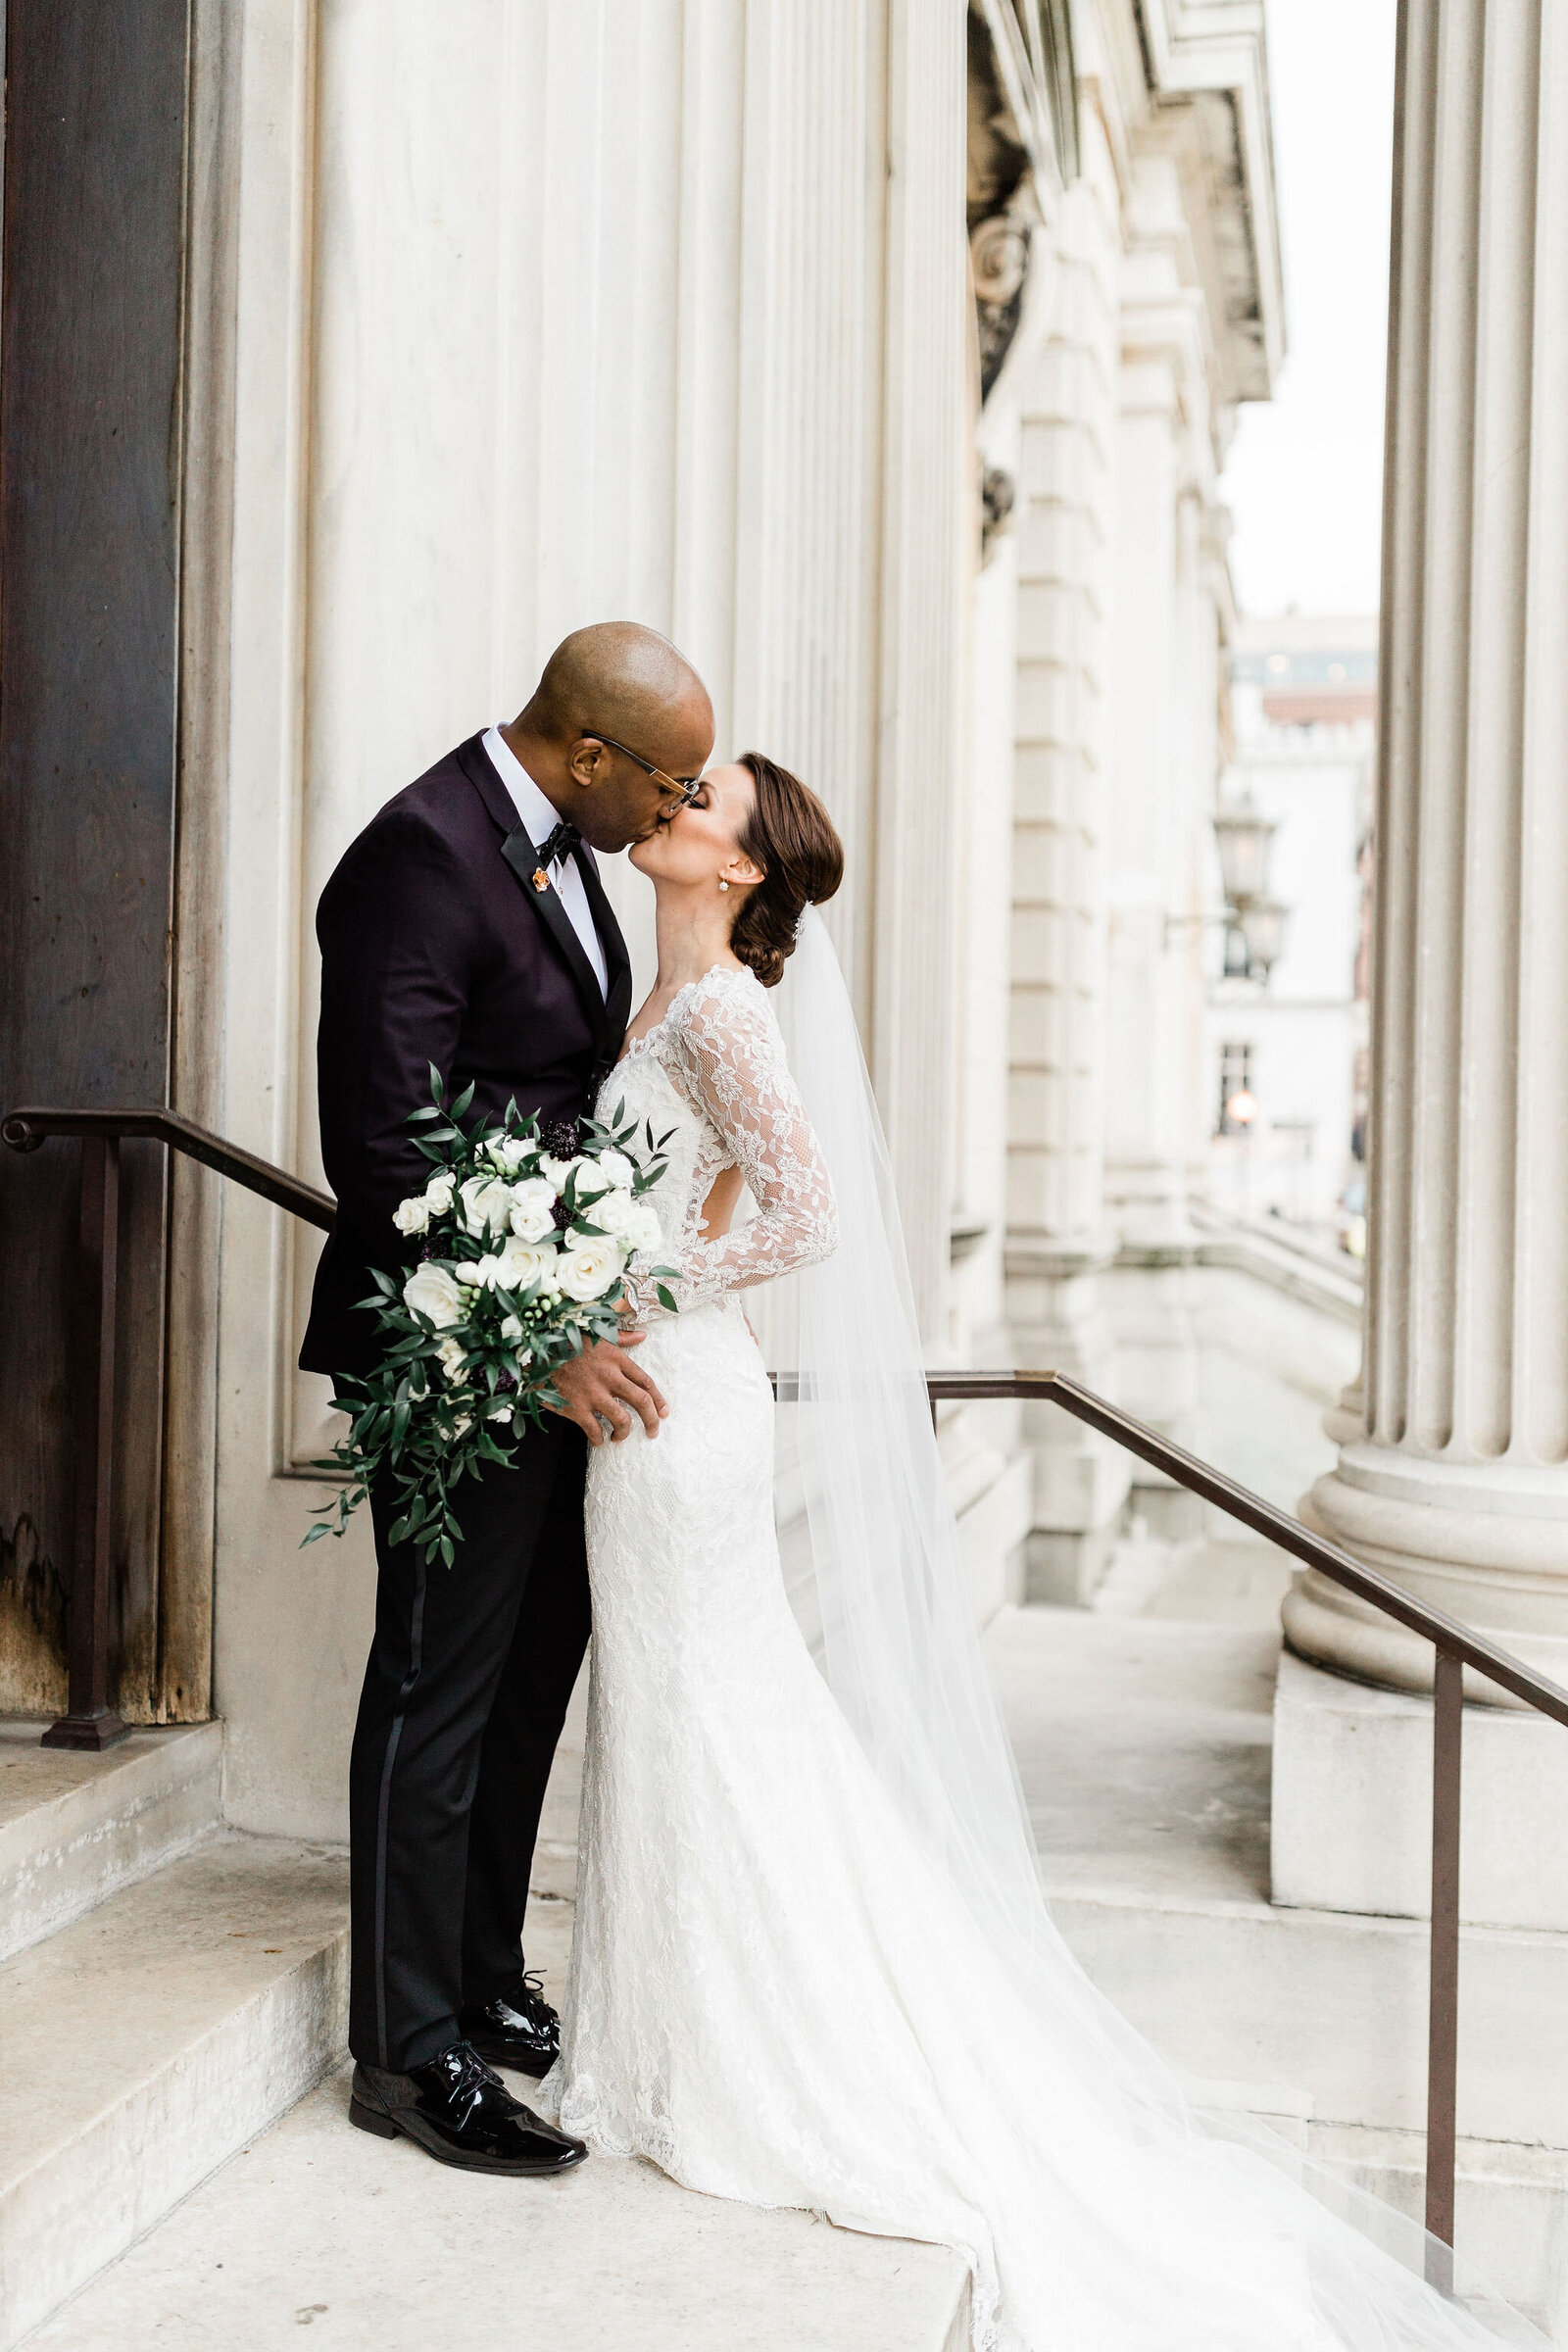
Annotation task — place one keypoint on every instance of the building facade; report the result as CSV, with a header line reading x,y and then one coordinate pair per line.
x,y
883,356
1286,1048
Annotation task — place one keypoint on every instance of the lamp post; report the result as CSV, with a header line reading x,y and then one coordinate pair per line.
x,y
1243,836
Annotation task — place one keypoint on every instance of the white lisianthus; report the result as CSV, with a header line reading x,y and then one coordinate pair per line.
x,y
482,1273
523,1263
412,1216
451,1354
507,1153
533,1209
438,1196
642,1229
431,1292
618,1168
588,1269
511,1328
486,1206
499,1412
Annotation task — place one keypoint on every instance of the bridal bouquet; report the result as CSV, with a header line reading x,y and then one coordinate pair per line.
x,y
523,1263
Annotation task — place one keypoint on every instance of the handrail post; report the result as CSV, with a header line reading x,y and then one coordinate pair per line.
x,y
1442,2019
89,1721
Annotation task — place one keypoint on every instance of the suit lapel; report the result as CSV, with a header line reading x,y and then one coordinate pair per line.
x,y
617,962
520,853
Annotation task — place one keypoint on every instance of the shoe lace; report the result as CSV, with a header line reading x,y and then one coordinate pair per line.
x,y
531,2000
470,2071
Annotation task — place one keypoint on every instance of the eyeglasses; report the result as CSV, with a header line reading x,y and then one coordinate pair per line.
x,y
685,788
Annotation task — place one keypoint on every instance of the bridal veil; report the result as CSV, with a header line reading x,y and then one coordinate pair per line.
x,y
859,1465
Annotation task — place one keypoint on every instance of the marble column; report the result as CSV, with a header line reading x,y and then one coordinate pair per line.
x,y
1458,1486
1162,792
1057,1240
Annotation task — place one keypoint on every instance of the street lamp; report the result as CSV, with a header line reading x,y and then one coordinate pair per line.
x,y
1262,923
1244,837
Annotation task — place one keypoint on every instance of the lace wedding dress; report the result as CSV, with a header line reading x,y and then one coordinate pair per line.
x,y
777,1993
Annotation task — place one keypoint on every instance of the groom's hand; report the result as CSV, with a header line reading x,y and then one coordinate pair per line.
x,y
601,1383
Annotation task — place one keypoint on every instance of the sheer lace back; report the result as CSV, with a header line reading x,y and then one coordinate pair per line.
x,y
713,1077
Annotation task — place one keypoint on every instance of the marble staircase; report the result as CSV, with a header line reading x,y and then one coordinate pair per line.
x,y
175,2169
175,2163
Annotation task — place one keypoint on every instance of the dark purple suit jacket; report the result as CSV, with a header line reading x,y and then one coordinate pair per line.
x,y
436,947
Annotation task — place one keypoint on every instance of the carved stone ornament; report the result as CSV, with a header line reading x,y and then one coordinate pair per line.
x,y
998,248
998,493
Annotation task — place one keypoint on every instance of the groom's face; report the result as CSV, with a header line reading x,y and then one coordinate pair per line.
x,y
620,801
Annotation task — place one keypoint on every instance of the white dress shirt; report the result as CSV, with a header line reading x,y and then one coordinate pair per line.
x,y
539,818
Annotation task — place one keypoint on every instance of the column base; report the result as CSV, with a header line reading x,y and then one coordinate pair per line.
x,y
1352,1826
92,1732
1486,1543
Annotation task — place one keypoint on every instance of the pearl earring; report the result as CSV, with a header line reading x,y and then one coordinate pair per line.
x,y
722,884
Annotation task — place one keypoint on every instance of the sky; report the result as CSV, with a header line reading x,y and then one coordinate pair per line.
x,y
1304,479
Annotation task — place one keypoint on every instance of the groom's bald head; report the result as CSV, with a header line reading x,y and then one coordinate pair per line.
x,y
619,678
614,682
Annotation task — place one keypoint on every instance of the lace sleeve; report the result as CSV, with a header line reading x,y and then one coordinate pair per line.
x,y
727,1056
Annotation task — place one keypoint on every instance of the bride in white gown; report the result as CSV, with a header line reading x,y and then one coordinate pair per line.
x,y
812,1964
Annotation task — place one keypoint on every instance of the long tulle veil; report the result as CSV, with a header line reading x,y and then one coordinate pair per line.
x,y
876,1546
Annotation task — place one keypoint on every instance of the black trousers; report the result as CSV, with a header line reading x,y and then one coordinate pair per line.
x,y
465,1694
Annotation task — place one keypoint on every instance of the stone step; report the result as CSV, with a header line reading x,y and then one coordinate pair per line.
x,y
146,2042
74,1827
1145,1750
317,2224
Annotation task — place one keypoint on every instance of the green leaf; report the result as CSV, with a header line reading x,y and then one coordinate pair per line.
x,y
462,1100
665,1298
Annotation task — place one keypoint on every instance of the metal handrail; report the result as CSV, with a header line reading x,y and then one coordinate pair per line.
x,y
26,1130
89,1722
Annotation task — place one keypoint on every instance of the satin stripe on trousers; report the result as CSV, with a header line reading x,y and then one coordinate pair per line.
x,y
465,1693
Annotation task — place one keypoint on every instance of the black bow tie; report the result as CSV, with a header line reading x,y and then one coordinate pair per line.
x,y
561,844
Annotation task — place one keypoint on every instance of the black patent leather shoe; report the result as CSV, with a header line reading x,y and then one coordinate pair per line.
x,y
462,2114
518,2029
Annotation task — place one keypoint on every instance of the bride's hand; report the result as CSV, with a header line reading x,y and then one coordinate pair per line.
x,y
601,1383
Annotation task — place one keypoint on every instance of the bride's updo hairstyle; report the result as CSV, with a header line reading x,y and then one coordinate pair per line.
x,y
791,836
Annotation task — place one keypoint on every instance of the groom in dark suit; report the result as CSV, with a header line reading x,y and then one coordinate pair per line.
x,y
467,927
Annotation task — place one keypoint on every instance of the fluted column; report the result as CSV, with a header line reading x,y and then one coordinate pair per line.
x,y
1458,1486
1057,1240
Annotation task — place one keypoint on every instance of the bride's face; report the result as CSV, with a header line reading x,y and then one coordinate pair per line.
x,y
700,843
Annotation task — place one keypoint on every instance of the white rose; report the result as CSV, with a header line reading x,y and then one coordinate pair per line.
x,y
523,1263
510,1328
555,1169
590,1184
451,1356
618,1168
431,1292
486,1206
412,1216
533,1209
501,1412
642,1229
588,1270
613,1211
438,1196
